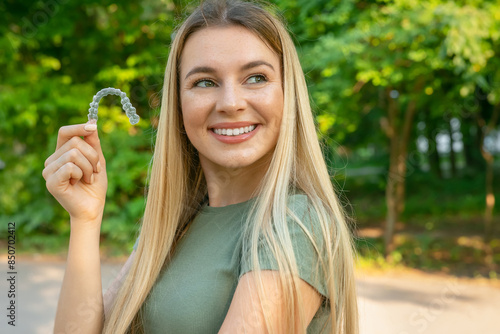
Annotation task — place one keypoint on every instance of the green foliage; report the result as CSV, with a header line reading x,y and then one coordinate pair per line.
x,y
54,57
429,199
352,49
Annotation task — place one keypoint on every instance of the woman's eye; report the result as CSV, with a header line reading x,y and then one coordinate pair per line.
x,y
254,79
204,83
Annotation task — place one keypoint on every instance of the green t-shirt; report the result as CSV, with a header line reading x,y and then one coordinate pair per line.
x,y
192,295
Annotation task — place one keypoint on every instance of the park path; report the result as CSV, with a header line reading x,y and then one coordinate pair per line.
x,y
389,303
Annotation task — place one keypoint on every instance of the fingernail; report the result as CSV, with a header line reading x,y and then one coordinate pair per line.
x,y
98,166
92,179
90,127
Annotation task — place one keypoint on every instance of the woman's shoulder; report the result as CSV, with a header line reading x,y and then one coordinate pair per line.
x,y
304,213
301,205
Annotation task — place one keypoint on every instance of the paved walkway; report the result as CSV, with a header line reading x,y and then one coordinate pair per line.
x,y
389,304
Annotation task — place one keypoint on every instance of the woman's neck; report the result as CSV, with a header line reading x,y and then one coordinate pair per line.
x,y
228,186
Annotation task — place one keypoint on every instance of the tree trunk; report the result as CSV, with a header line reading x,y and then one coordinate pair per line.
x,y
489,159
391,195
399,136
472,140
432,153
403,154
490,197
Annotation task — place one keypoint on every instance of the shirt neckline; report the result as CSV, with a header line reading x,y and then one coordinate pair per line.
x,y
228,208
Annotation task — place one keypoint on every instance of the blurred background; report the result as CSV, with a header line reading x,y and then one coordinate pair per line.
x,y
406,96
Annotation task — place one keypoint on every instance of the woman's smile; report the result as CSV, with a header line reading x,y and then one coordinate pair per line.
x,y
231,97
234,133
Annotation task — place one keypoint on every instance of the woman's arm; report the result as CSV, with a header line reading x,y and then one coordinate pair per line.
x,y
80,303
75,175
245,314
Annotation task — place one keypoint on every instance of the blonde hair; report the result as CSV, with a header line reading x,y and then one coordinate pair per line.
x,y
177,188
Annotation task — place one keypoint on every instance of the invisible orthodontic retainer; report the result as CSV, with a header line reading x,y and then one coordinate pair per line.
x,y
127,106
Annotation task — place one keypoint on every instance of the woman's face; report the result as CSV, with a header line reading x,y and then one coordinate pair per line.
x,y
231,96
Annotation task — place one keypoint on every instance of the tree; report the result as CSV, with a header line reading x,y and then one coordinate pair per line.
x,y
395,56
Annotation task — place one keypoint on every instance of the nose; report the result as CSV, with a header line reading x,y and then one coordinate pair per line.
x,y
231,99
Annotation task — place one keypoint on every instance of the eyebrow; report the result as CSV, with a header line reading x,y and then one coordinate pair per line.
x,y
207,69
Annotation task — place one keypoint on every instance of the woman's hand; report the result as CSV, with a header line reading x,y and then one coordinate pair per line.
x,y
76,173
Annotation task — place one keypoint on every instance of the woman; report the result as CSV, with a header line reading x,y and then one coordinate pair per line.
x,y
242,231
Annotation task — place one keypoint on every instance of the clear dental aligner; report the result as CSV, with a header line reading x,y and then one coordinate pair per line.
x,y
127,106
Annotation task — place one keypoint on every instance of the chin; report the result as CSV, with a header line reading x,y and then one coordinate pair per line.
x,y
240,160
235,164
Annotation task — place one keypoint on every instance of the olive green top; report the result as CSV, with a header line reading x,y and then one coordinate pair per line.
x,y
192,295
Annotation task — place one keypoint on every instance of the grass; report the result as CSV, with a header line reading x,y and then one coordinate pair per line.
x,y
459,256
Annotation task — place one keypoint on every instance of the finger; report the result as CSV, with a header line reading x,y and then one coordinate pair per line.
x,y
75,156
76,142
60,179
69,131
94,141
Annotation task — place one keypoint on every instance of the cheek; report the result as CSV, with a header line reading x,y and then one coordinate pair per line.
x,y
193,108
191,116
272,103
277,107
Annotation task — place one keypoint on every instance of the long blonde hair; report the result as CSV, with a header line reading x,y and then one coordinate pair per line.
x,y
177,187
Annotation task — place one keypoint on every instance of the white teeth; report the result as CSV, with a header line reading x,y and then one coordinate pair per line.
x,y
234,132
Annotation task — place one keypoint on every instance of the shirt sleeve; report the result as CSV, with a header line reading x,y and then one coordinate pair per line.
x,y
307,257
